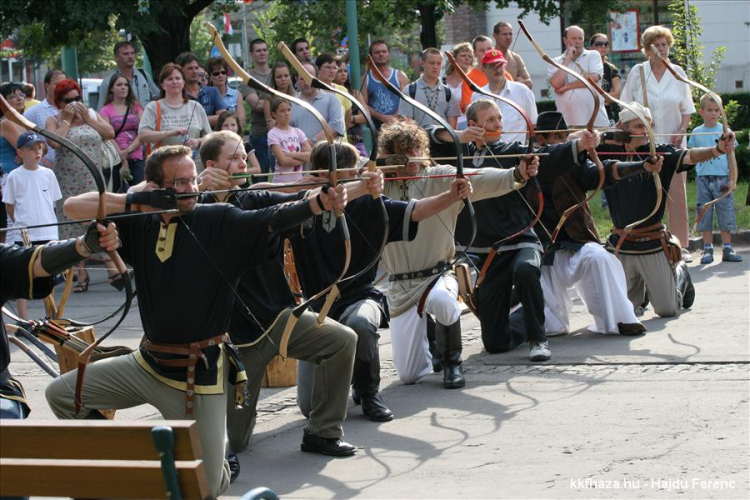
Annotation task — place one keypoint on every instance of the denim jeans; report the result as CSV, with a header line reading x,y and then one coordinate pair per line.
x,y
711,187
263,153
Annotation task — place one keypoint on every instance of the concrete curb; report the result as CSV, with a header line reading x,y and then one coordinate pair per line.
x,y
741,237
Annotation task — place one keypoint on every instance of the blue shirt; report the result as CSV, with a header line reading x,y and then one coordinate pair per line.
x,y
380,98
715,166
211,100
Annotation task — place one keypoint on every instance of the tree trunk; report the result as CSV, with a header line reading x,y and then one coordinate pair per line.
x,y
428,19
164,47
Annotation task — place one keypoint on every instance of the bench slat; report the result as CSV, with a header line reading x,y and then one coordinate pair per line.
x,y
98,479
94,439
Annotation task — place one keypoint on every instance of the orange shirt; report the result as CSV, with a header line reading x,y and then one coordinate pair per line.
x,y
477,76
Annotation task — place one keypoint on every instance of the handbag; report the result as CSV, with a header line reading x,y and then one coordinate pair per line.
x,y
111,157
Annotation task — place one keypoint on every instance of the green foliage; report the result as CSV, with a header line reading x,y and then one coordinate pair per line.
x,y
200,38
603,221
94,48
592,13
688,49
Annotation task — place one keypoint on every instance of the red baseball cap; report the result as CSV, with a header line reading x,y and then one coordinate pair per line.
x,y
493,56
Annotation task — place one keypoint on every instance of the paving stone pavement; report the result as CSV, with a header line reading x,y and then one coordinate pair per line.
x,y
664,415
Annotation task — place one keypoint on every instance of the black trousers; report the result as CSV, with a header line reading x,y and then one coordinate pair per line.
x,y
519,269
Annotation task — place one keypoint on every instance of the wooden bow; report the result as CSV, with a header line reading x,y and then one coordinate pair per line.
x,y
731,158
316,83
589,126
529,148
332,180
83,359
652,152
439,119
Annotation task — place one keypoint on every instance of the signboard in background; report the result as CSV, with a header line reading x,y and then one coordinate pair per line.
x,y
624,31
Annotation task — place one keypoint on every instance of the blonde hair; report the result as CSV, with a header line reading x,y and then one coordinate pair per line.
x,y
472,112
457,49
651,34
706,98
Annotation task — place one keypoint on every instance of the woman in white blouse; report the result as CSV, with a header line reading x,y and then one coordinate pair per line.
x,y
671,105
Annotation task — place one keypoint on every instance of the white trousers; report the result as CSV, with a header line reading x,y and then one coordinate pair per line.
x,y
411,350
599,280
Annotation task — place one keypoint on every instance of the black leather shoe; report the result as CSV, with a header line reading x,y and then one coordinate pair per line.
x,y
685,285
334,447
631,329
234,466
453,375
374,407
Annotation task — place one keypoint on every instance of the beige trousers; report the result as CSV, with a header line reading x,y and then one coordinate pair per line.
x,y
121,383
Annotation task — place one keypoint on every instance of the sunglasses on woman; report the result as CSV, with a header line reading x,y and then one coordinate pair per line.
x,y
601,44
68,100
218,73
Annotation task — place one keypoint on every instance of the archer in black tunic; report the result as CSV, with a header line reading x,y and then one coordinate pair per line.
x,y
516,266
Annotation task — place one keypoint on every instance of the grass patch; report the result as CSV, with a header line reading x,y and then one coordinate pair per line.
x,y
604,222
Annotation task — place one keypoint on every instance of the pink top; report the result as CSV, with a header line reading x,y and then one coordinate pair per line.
x,y
129,132
291,141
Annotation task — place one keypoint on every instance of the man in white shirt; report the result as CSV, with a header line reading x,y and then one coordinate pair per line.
x,y
573,99
493,65
39,113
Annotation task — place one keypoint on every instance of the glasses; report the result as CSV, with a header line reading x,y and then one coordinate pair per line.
x,y
18,95
68,100
601,44
218,73
183,183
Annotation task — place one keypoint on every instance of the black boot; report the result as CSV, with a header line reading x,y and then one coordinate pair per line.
x,y
437,358
449,342
365,386
684,285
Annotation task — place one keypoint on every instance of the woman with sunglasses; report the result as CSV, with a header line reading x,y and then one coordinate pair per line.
x,y
217,76
9,131
9,134
611,79
88,130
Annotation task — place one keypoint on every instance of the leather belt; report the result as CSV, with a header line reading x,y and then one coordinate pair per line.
x,y
194,354
439,268
640,235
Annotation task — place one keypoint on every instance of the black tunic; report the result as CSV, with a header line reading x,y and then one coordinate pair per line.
x,y
633,198
189,296
16,266
263,288
319,254
503,216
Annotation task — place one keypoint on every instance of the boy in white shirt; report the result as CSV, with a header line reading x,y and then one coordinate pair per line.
x,y
30,195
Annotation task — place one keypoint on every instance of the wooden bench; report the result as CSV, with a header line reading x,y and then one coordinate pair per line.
x,y
101,459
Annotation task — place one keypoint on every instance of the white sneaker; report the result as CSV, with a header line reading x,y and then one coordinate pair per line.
x,y
539,351
686,256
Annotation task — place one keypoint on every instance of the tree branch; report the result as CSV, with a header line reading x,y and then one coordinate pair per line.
x,y
195,8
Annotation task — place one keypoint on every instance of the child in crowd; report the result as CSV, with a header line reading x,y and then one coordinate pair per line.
x,y
288,144
30,195
229,120
712,179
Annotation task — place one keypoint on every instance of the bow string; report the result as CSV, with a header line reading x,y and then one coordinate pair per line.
x,y
332,179
101,215
589,126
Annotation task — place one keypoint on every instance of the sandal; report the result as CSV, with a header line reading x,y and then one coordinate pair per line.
x,y
117,281
82,286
